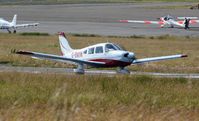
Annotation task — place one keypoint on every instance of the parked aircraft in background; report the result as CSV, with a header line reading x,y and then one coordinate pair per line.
x,y
13,25
166,21
99,55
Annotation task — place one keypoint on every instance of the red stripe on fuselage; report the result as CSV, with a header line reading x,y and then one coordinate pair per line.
x,y
112,63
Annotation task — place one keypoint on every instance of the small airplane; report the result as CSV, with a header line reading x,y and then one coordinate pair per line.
x,y
13,24
98,55
166,21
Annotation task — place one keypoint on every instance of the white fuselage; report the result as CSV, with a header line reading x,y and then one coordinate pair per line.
x,y
171,22
5,24
112,55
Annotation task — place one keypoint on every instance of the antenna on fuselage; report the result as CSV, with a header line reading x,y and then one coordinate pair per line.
x,y
88,43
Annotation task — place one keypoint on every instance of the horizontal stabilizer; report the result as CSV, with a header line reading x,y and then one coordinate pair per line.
x,y
26,25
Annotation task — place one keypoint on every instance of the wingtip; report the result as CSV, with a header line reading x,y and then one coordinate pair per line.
x,y
23,52
184,56
62,34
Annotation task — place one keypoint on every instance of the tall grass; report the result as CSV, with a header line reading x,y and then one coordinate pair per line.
x,y
49,97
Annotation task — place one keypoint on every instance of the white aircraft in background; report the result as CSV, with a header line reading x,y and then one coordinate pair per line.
x,y
99,55
166,21
13,25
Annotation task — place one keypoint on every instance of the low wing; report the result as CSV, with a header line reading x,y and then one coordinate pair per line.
x,y
142,22
26,25
178,23
194,21
58,58
144,60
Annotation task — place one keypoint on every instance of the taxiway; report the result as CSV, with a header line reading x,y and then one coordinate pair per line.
x,y
101,19
90,72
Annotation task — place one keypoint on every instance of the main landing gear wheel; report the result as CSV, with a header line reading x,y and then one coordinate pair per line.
x,y
14,31
80,69
9,31
123,70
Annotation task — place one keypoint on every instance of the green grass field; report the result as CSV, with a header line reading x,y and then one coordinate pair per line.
x,y
141,46
52,97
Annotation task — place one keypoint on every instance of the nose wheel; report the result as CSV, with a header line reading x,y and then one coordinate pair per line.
x,y
123,70
161,26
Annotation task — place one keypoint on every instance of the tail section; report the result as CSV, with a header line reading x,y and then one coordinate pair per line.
x,y
14,20
64,45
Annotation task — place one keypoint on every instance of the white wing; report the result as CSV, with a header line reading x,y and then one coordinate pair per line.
x,y
194,21
181,23
144,60
183,18
26,25
58,58
142,22
178,23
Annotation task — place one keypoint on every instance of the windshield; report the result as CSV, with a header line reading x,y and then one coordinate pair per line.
x,y
110,47
168,17
119,47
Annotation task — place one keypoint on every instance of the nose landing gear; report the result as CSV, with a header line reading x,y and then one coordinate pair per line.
x,y
123,70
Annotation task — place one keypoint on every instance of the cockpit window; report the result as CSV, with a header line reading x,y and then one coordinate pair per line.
x,y
99,49
119,47
168,17
110,47
85,51
91,50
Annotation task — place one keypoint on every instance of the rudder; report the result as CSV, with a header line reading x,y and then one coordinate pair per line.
x,y
64,45
14,20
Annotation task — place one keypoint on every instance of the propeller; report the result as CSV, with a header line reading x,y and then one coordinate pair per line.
x,y
129,55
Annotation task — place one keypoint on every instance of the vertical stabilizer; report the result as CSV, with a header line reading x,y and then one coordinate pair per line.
x,y
14,20
64,45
